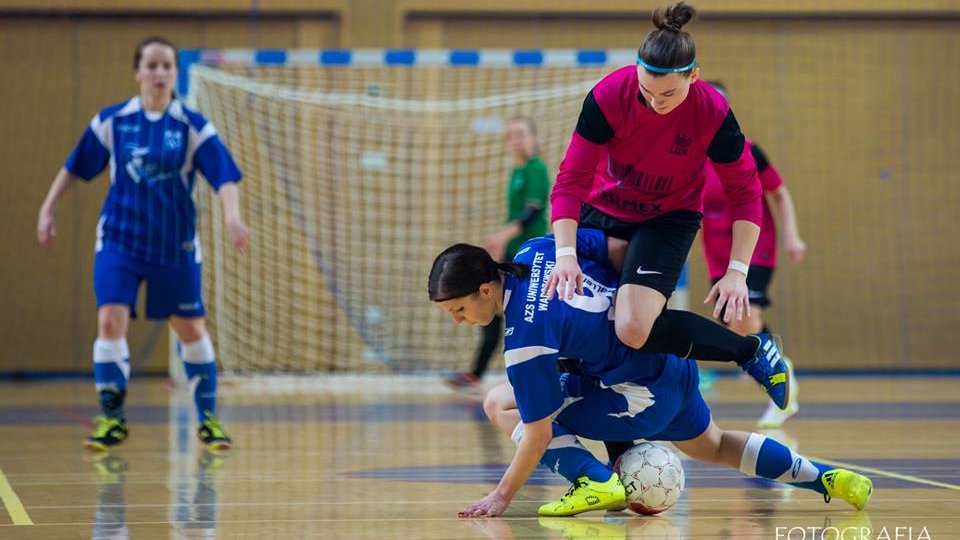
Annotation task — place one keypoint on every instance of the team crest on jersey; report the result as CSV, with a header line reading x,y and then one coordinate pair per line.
x,y
172,140
140,167
680,145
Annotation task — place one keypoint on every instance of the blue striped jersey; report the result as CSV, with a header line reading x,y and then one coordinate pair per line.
x,y
149,212
540,331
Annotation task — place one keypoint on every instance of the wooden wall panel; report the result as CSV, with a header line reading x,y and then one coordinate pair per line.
x,y
38,288
190,7
59,72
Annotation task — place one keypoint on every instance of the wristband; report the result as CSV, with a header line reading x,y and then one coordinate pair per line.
x,y
565,251
739,267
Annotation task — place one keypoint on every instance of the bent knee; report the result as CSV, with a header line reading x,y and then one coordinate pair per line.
x,y
494,402
634,332
490,407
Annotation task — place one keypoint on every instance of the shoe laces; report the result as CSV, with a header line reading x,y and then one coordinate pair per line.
x,y
574,488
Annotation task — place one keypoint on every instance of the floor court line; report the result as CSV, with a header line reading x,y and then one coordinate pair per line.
x,y
18,514
889,474
419,503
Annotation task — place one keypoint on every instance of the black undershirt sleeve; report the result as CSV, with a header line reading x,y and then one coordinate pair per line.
x,y
592,125
759,157
727,143
529,214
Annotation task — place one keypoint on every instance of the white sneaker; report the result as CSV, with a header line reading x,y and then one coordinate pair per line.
x,y
774,417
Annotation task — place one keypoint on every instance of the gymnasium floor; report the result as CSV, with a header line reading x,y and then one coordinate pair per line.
x,y
397,459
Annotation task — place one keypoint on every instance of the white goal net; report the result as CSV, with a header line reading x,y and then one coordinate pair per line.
x,y
359,168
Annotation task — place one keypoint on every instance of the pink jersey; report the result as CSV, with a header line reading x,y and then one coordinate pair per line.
x,y
718,221
634,164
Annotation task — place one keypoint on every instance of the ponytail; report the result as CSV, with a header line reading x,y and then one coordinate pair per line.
x,y
460,269
514,269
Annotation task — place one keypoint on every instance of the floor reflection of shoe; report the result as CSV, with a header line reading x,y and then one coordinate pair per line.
x,y
581,529
859,521
110,467
210,461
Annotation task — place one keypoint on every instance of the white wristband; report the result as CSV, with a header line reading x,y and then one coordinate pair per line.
x,y
567,251
739,267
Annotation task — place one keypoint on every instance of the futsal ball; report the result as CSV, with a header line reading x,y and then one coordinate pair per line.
x,y
652,476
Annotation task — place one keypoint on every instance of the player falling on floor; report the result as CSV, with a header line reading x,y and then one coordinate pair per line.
x,y
717,240
154,146
527,192
634,169
619,393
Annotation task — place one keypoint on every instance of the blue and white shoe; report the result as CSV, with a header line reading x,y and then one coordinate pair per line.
x,y
768,368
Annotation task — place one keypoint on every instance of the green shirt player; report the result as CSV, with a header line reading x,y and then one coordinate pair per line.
x,y
527,196
527,193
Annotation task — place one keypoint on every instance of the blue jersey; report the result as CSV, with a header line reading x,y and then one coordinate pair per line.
x,y
539,331
149,213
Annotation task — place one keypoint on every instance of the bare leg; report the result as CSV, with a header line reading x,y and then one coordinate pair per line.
x,y
749,325
637,309
716,446
501,408
113,321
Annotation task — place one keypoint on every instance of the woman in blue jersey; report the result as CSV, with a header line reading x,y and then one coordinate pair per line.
x,y
617,393
154,146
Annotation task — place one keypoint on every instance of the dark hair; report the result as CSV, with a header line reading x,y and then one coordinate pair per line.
x,y
669,46
138,53
460,269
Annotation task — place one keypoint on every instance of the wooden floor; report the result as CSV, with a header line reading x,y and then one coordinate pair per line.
x,y
377,459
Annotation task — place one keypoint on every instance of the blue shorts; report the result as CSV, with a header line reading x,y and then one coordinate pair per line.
x,y
668,408
171,290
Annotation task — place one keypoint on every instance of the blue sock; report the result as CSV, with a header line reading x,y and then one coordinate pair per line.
x,y
567,457
200,365
111,371
768,458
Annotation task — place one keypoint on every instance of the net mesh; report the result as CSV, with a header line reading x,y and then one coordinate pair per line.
x,y
355,178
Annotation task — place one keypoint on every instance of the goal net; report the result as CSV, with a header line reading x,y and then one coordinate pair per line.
x,y
360,166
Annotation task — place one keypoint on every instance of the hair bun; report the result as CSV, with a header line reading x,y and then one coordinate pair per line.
x,y
673,17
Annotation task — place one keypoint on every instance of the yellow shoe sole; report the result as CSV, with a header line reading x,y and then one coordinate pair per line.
x,y
615,504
